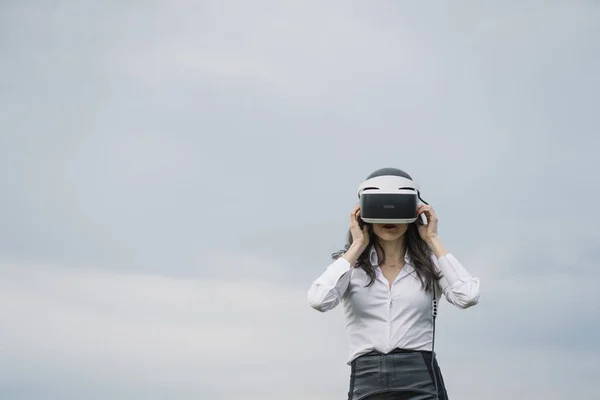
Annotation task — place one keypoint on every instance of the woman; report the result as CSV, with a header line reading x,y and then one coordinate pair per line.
x,y
386,279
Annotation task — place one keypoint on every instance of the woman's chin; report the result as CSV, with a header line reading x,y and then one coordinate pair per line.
x,y
390,236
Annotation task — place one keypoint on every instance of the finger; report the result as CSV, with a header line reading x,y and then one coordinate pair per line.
x,y
354,218
424,215
425,208
428,211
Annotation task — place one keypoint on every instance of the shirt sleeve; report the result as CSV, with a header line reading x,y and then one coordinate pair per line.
x,y
327,290
458,286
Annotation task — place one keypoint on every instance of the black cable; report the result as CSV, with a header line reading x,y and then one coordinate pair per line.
x,y
434,313
434,305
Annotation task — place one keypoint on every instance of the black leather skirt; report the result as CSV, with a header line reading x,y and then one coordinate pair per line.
x,y
399,375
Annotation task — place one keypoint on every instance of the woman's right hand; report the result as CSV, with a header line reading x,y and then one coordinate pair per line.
x,y
360,237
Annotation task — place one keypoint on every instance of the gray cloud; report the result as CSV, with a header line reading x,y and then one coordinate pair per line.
x,y
168,164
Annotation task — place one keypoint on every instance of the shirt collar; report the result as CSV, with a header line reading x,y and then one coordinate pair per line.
x,y
374,258
407,269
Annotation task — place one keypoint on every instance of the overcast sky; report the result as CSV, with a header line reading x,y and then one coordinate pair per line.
x,y
176,173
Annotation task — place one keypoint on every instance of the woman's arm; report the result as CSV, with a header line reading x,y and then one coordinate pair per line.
x,y
327,290
459,287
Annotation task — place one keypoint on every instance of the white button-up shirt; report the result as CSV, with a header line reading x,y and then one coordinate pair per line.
x,y
380,318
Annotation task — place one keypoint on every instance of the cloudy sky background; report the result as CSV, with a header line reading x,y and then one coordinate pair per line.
x,y
175,175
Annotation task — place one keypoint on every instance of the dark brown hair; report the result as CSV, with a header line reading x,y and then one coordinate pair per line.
x,y
416,247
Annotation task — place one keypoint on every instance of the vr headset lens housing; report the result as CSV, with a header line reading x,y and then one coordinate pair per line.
x,y
389,200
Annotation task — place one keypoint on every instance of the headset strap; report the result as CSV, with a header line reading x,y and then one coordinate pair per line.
x,y
388,182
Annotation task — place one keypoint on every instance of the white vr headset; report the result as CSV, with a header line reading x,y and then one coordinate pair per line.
x,y
389,199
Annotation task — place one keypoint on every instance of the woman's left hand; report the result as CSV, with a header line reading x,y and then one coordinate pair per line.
x,y
429,231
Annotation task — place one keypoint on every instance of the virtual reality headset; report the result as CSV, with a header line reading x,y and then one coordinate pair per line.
x,y
389,198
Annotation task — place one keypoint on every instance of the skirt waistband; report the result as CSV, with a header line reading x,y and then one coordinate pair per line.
x,y
394,351
400,370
